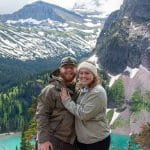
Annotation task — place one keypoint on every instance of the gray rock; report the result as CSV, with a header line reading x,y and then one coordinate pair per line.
x,y
125,38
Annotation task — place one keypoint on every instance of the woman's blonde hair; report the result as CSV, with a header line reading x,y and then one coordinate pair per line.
x,y
95,81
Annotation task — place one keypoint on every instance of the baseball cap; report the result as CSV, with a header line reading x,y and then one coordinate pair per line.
x,y
68,60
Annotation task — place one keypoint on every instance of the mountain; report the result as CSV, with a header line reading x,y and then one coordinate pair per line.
x,y
43,30
40,11
27,49
30,45
124,40
33,40
137,78
98,9
123,50
38,41
88,6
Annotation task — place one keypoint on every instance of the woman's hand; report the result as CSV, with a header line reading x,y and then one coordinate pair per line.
x,y
64,94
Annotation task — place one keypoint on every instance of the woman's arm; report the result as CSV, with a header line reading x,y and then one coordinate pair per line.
x,y
95,103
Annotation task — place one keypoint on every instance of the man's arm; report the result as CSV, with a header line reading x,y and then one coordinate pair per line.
x,y
44,109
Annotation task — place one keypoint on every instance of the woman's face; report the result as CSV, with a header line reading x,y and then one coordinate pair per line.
x,y
86,77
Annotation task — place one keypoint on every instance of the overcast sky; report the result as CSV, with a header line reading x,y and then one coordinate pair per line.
x,y
9,6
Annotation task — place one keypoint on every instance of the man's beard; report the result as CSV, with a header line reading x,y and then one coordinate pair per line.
x,y
66,79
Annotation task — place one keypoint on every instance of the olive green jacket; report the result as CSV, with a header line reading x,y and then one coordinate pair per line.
x,y
90,115
53,119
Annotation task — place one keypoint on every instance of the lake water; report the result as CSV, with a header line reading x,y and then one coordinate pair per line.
x,y
10,142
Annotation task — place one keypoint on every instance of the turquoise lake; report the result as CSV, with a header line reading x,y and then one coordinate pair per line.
x,y
9,142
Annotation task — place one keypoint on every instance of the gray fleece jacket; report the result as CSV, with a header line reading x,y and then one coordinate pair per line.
x,y
90,115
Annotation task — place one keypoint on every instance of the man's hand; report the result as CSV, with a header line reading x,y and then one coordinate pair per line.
x,y
45,146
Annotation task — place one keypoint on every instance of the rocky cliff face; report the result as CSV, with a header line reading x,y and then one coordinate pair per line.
x,y
139,81
125,38
136,9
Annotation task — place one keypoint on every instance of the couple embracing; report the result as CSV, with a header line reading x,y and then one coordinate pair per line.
x,y
71,111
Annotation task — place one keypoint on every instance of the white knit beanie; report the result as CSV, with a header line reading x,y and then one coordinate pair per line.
x,y
89,66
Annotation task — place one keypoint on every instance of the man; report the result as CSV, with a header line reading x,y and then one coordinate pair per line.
x,y
55,124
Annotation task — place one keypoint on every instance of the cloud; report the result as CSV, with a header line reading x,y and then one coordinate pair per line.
x,y
109,6
10,6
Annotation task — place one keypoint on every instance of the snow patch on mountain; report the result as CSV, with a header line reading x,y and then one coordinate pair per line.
x,y
43,41
29,20
132,71
113,79
108,6
83,5
90,24
102,7
41,33
114,117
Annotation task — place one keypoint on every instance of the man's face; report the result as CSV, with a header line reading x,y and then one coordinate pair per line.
x,y
68,72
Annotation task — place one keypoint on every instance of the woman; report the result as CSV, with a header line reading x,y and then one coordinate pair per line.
x,y
91,125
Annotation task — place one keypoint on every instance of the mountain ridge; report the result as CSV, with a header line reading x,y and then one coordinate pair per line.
x,y
29,43
40,11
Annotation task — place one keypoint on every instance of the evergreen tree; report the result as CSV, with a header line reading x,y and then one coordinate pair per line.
x,y
117,92
23,140
104,78
146,101
136,101
14,103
